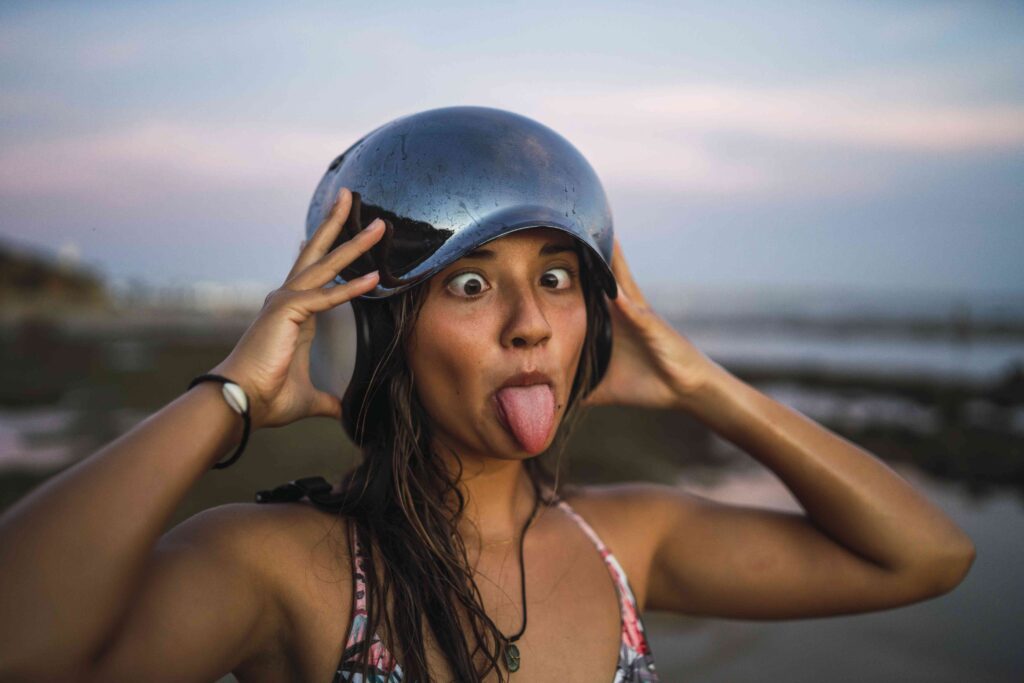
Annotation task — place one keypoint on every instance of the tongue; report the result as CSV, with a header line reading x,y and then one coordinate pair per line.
x,y
530,412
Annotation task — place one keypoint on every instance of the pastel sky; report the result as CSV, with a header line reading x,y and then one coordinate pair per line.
x,y
806,145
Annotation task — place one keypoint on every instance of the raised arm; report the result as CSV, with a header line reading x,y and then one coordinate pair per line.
x,y
868,540
77,550
88,593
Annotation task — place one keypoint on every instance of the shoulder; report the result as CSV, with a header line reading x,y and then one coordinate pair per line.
x,y
632,518
275,542
261,534
633,505
299,558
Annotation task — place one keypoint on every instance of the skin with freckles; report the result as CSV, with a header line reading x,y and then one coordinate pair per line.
x,y
514,305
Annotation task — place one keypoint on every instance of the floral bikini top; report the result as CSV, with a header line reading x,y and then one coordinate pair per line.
x,y
636,661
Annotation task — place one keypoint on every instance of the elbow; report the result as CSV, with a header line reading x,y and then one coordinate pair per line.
x,y
943,573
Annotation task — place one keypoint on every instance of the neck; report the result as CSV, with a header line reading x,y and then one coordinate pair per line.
x,y
499,499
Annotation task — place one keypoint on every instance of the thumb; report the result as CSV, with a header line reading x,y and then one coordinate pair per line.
x,y
621,306
636,311
326,405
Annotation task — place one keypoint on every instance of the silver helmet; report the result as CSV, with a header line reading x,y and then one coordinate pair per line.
x,y
446,181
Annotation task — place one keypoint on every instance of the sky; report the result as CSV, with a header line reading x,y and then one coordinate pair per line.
x,y
808,146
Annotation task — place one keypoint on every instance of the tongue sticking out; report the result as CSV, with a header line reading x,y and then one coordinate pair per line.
x,y
529,413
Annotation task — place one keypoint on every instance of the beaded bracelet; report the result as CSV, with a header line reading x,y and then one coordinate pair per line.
x,y
239,402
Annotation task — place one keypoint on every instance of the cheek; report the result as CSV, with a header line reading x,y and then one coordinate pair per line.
x,y
578,324
575,334
448,357
572,327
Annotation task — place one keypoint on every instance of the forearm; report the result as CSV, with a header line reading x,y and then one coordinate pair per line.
x,y
72,551
847,492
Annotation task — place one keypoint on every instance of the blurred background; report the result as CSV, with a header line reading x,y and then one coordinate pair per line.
x,y
826,198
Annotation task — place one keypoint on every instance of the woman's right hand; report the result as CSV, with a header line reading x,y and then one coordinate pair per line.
x,y
271,360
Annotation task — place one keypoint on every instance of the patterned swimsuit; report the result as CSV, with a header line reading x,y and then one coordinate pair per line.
x,y
636,662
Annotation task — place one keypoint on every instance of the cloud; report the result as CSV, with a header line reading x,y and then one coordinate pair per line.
x,y
667,136
785,140
133,165
833,114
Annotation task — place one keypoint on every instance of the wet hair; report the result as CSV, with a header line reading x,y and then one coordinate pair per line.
x,y
405,505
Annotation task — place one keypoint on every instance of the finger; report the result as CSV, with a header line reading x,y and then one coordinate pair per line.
x,y
325,298
623,276
302,245
328,266
326,405
595,397
325,234
622,310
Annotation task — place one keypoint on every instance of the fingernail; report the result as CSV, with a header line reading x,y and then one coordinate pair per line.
x,y
368,276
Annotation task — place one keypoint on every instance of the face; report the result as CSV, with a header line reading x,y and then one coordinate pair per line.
x,y
513,306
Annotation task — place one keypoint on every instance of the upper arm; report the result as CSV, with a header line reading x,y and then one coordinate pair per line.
x,y
716,559
202,607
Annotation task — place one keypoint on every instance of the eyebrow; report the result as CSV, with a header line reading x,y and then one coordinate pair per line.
x,y
546,250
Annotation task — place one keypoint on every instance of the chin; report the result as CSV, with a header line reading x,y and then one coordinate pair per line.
x,y
515,450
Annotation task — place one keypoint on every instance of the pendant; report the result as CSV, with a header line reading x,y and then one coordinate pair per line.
x,y
512,657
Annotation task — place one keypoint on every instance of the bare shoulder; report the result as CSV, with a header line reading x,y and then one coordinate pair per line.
x,y
235,588
629,504
631,518
291,547
268,538
300,556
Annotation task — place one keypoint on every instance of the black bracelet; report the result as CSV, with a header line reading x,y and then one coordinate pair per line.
x,y
240,409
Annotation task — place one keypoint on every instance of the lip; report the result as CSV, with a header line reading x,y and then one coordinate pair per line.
x,y
525,379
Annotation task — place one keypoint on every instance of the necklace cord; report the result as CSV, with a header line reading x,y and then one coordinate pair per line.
x,y
522,567
510,650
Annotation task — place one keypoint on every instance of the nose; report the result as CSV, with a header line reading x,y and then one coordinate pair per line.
x,y
526,325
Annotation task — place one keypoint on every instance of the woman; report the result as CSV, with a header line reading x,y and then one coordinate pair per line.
x,y
475,352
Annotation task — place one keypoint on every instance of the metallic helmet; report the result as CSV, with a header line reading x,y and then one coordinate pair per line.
x,y
446,181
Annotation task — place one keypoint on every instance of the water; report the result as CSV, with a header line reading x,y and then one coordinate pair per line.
x,y
973,337
978,361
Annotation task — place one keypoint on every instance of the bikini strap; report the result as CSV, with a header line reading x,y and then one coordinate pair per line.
x,y
614,568
582,523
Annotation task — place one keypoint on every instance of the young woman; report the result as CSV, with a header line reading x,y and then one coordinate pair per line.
x,y
450,552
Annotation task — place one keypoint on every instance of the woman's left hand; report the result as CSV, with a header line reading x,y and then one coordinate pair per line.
x,y
652,365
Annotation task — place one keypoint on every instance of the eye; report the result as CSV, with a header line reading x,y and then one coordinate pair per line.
x,y
557,278
467,284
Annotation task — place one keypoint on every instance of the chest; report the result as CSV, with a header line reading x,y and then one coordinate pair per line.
x,y
573,615
572,607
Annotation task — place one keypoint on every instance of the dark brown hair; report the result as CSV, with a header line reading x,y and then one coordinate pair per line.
x,y
405,505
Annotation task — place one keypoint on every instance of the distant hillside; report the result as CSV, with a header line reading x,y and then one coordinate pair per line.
x,y
27,278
